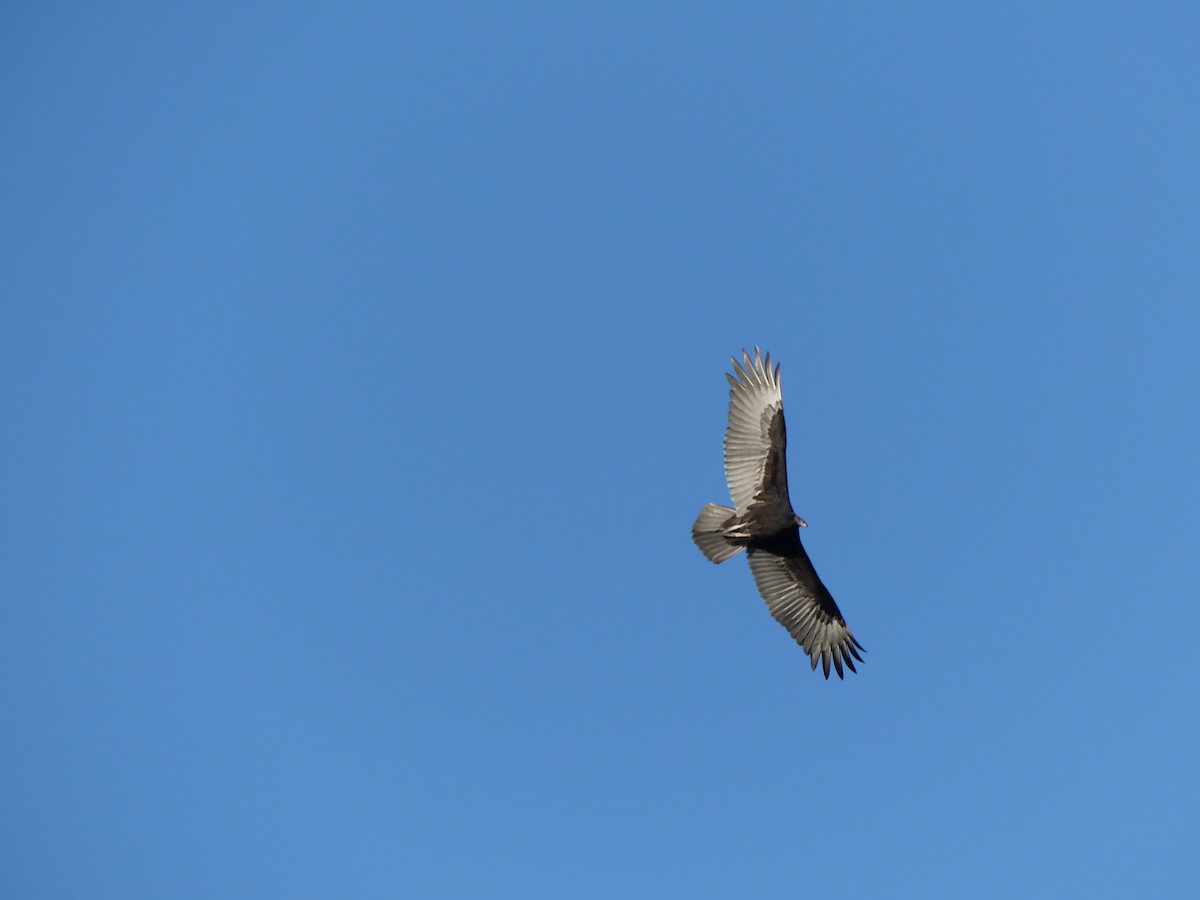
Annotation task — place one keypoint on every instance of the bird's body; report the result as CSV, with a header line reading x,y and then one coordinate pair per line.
x,y
763,523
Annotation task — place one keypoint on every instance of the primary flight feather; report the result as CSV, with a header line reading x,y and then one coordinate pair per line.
x,y
763,523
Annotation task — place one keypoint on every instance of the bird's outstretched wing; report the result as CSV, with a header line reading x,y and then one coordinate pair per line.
x,y
755,438
801,604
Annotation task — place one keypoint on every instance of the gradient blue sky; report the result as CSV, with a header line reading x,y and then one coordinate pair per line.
x,y
362,376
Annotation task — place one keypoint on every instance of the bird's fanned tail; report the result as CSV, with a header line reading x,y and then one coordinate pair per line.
x,y
709,532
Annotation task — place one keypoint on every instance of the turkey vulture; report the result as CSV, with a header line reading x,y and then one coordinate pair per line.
x,y
762,521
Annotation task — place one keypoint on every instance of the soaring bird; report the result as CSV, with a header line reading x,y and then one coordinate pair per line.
x,y
763,523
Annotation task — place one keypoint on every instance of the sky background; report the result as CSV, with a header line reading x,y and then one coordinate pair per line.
x,y
362,374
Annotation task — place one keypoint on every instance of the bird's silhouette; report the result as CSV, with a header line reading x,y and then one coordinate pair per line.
x,y
763,523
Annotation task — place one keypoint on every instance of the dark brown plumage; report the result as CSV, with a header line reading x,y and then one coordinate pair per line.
x,y
763,523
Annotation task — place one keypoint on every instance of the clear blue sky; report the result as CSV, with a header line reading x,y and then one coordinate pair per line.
x,y
362,373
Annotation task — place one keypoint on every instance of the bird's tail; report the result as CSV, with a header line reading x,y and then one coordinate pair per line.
x,y
709,532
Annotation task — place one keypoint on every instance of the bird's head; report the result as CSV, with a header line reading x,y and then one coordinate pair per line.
x,y
800,521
